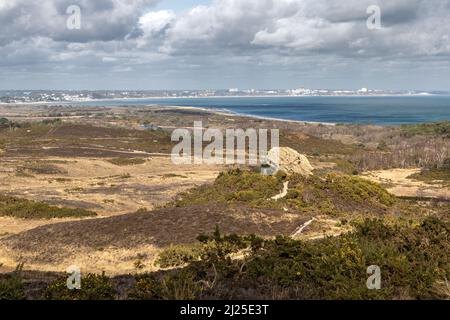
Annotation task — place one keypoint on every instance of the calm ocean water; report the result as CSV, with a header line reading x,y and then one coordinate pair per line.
x,y
375,110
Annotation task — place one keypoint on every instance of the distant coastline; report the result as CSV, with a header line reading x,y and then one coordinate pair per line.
x,y
88,96
229,113
330,110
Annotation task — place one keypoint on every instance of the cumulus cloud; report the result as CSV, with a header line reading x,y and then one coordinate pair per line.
x,y
311,27
102,20
253,34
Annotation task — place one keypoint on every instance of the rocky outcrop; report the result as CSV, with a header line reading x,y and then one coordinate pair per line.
x,y
289,161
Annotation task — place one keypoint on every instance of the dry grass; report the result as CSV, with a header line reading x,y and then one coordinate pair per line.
x,y
127,161
106,243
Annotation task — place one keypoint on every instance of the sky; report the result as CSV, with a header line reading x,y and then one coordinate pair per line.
x,y
179,6
220,44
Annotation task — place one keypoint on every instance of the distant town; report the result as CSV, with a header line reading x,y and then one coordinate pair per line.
x,y
36,96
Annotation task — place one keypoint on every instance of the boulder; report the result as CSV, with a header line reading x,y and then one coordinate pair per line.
x,y
289,161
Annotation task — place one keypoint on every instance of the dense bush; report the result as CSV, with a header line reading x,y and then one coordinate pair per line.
x,y
11,286
27,209
413,261
4,123
234,186
331,194
42,168
93,287
147,287
179,255
178,285
359,190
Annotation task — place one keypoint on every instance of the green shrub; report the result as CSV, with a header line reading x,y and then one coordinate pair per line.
x,y
382,146
127,161
234,186
281,175
93,287
437,128
147,287
41,168
178,255
11,286
359,190
51,122
180,285
434,176
27,209
335,194
4,122
413,261
246,196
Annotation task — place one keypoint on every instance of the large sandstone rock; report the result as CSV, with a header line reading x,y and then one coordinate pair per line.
x,y
289,160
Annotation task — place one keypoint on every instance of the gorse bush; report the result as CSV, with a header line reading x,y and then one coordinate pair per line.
x,y
11,285
359,190
233,187
178,285
414,263
413,260
179,255
93,287
330,194
27,209
147,287
182,285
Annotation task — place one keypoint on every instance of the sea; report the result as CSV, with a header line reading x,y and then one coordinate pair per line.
x,y
378,110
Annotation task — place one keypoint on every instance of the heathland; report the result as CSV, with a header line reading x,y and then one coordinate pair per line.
x,y
95,187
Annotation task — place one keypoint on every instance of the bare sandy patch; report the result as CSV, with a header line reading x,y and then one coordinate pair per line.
x,y
98,185
398,183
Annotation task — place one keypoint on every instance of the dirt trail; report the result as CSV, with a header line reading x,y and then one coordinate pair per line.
x,y
283,193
